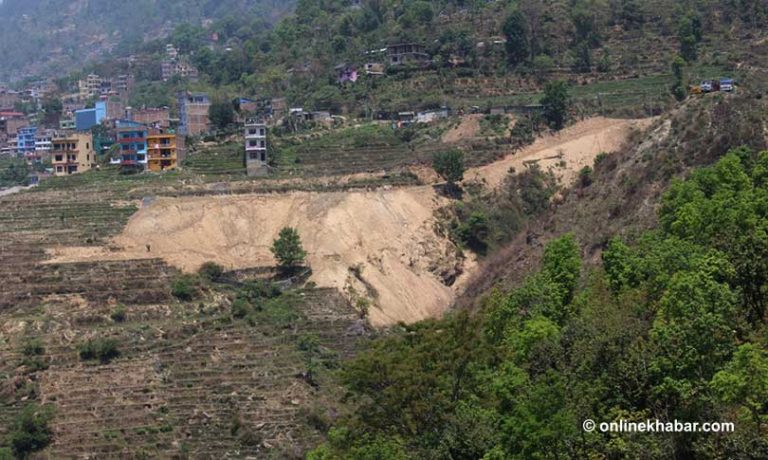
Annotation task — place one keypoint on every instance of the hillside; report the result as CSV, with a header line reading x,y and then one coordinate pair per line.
x,y
52,37
533,217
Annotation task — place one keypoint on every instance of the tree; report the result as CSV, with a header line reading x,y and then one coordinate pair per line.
x,y
562,263
678,88
689,33
744,381
450,166
221,113
556,103
515,29
288,250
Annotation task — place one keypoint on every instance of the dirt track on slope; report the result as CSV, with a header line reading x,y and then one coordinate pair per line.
x,y
379,245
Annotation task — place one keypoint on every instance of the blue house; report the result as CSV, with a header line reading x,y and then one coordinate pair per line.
x,y
132,139
86,119
25,140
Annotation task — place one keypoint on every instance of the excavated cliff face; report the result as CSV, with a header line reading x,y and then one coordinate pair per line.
x,y
385,238
380,248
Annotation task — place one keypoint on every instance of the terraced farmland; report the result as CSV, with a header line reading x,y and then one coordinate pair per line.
x,y
191,380
328,160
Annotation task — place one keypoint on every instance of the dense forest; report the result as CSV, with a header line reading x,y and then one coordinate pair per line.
x,y
671,326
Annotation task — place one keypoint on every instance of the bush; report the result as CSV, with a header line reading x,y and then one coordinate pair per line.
x,y
104,350
474,232
186,287
585,176
31,432
240,308
601,157
33,352
211,271
118,314
33,347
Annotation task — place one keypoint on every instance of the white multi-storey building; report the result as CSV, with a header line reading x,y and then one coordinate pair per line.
x,y
256,158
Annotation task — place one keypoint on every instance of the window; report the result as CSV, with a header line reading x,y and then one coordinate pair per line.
x,y
262,132
253,156
263,157
252,143
252,132
59,169
59,158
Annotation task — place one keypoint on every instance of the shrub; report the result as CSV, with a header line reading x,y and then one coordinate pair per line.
x,y
601,157
185,287
33,347
104,350
211,271
585,176
474,232
240,308
31,432
33,352
118,314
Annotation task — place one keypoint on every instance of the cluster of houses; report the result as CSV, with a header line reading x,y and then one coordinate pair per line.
x,y
136,139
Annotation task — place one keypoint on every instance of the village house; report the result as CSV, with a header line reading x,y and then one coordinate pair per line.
x,y
8,99
407,53
162,153
429,116
405,119
67,123
72,154
11,122
86,119
43,146
132,141
374,68
90,86
156,117
25,140
193,113
256,160
346,73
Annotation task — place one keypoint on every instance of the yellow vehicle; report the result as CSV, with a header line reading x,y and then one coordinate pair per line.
x,y
695,89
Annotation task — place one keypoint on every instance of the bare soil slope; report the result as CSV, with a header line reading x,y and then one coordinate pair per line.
x,y
377,245
386,236
577,146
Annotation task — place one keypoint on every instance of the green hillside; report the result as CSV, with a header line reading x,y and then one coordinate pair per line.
x,y
55,36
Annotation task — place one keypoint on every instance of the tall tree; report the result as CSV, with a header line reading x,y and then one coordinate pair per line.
x,y
516,31
555,104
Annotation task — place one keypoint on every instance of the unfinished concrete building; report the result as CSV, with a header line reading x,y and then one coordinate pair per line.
x,y
256,159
